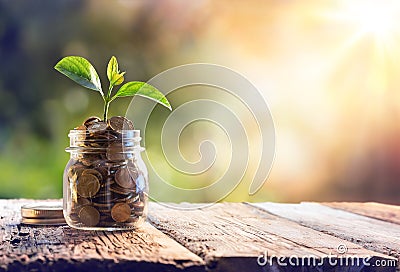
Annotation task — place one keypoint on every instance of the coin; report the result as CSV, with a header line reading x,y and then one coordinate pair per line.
x,y
120,212
103,207
106,135
107,184
119,190
105,176
91,120
83,201
44,210
115,152
97,127
79,203
89,216
93,172
125,177
82,133
138,207
105,218
103,199
81,127
132,220
103,171
88,185
128,199
103,193
89,159
75,170
119,123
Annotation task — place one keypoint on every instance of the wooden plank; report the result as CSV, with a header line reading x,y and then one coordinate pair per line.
x,y
65,249
373,234
233,236
385,212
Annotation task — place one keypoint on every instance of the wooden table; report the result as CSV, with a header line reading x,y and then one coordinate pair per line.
x,y
220,237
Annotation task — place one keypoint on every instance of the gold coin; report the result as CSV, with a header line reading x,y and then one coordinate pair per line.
x,y
125,177
93,172
119,123
89,216
88,185
120,212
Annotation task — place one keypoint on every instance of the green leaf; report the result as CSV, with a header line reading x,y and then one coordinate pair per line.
x,y
81,71
112,68
117,79
113,74
143,89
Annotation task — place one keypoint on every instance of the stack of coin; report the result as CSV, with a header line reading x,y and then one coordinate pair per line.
x,y
45,213
105,182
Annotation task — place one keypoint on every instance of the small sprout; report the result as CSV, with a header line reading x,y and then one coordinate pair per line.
x,y
82,72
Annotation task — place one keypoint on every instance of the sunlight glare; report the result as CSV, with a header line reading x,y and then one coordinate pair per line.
x,y
375,18
372,17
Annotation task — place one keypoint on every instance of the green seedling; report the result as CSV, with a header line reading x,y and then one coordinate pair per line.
x,y
82,72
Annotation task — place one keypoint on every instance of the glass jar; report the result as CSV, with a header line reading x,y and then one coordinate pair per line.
x,y
105,183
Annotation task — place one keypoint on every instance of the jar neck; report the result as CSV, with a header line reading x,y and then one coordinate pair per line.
x,y
126,141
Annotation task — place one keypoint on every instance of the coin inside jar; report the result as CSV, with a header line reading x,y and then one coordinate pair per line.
x,y
89,216
91,120
125,177
119,123
104,178
120,212
82,133
93,172
97,127
88,185
115,152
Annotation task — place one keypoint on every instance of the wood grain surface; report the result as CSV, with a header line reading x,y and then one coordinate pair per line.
x,y
26,248
225,237
373,234
231,237
389,213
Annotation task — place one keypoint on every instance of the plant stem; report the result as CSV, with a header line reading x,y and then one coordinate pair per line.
x,y
107,101
106,105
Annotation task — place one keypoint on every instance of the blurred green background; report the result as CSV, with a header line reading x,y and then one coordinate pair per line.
x,y
329,71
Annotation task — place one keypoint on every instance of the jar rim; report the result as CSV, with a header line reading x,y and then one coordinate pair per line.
x,y
84,149
129,140
129,133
